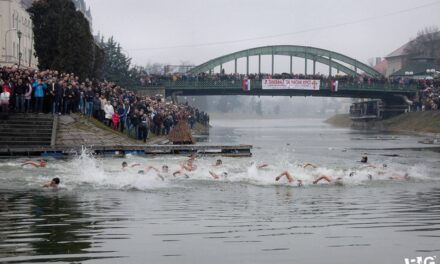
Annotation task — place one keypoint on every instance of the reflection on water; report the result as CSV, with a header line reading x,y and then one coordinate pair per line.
x,y
52,224
103,215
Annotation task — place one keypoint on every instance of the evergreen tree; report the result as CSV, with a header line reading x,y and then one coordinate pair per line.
x,y
116,66
63,39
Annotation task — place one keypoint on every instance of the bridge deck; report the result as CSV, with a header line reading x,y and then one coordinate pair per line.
x,y
235,87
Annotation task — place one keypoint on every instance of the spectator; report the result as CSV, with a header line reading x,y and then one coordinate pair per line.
x,y
109,111
115,120
89,98
39,88
4,101
20,91
28,97
97,108
144,127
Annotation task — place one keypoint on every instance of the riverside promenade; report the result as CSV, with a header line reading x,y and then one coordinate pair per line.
x,y
73,134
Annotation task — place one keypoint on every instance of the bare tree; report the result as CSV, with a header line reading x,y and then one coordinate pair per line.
x,y
427,43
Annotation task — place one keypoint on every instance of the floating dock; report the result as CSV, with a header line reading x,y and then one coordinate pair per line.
x,y
122,150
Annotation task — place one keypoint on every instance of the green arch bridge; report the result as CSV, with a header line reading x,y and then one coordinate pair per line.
x,y
194,86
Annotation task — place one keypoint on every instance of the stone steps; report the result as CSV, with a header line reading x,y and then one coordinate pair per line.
x,y
24,130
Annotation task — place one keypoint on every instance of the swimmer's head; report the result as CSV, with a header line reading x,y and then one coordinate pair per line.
x,y
300,183
370,177
124,164
384,165
364,159
165,168
141,172
406,176
56,181
43,162
218,162
225,174
352,174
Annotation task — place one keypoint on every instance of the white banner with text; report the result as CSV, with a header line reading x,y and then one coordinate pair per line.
x,y
293,84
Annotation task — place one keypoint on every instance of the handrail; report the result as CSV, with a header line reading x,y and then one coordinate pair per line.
x,y
257,85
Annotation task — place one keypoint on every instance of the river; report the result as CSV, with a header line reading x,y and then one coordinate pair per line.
x,y
101,214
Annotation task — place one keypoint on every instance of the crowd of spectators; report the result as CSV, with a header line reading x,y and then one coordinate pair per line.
x,y
50,91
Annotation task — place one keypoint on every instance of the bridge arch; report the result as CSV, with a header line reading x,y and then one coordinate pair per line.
x,y
327,57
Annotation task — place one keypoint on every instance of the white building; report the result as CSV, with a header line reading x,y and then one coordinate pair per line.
x,y
82,7
16,35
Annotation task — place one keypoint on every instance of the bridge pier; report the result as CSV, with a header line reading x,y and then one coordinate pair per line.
x,y
259,63
330,66
247,65
273,61
305,64
291,66
314,66
235,66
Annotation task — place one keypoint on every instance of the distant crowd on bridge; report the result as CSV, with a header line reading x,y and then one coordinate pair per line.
x,y
426,99
50,91
151,80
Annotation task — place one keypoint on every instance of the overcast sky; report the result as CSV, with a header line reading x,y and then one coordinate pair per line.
x,y
152,31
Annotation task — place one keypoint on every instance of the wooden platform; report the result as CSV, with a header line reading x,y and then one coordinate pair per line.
x,y
121,150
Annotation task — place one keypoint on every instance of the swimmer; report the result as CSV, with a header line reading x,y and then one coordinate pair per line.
x,y
125,165
218,163
40,164
364,159
369,176
160,174
400,177
289,177
53,183
337,181
217,176
189,165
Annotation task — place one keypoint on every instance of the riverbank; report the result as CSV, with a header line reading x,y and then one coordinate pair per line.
x,y
416,122
76,130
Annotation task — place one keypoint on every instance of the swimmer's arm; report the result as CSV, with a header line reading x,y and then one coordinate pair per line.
x,y
30,163
323,177
309,165
177,172
264,165
214,175
135,165
161,177
151,168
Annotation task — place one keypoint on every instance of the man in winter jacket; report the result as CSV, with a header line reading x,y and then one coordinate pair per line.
x,y
39,88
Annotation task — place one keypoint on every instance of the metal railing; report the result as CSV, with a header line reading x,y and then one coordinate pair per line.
x,y
257,85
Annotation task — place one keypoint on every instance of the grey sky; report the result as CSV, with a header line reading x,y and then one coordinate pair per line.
x,y
141,25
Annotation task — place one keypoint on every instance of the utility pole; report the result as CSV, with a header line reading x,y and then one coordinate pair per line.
x,y
19,33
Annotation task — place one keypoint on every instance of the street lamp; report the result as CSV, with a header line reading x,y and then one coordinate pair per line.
x,y
19,34
6,50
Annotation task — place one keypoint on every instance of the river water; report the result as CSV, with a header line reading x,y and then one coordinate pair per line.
x,y
101,214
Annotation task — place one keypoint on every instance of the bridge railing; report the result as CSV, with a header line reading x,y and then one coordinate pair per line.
x,y
257,85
